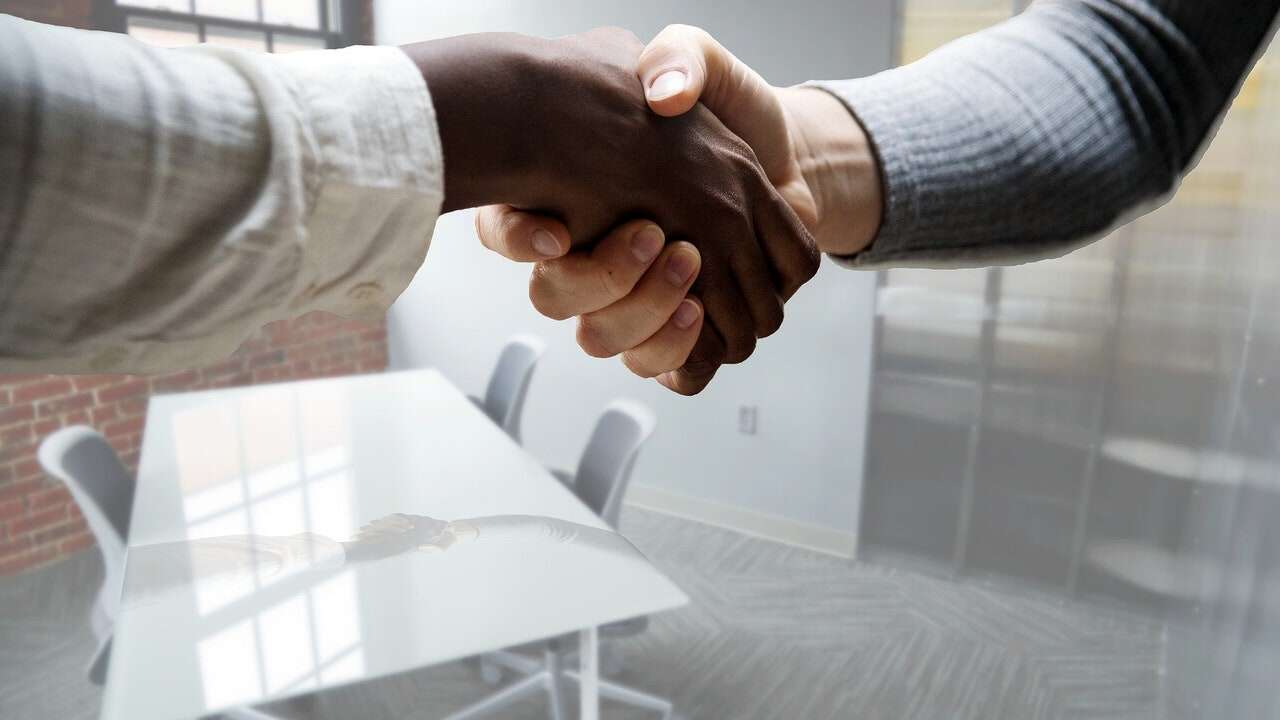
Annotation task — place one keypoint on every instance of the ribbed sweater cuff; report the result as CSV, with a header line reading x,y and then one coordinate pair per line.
x,y
914,147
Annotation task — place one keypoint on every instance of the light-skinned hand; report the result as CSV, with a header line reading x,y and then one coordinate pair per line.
x,y
805,140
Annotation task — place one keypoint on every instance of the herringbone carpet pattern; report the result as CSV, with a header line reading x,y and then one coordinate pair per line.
x,y
772,632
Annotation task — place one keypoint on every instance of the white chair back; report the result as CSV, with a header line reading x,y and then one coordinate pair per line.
x,y
605,468
509,383
87,464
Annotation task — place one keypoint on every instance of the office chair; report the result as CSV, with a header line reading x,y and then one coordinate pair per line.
x,y
509,383
86,463
601,480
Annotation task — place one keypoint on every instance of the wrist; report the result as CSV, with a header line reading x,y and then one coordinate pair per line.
x,y
477,86
840,167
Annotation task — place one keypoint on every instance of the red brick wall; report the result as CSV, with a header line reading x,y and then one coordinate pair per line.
x,y
38,520
73,13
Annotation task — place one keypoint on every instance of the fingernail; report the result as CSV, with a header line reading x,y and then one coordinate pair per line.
x,y
647,243
545,243
686,315
667,84
680,267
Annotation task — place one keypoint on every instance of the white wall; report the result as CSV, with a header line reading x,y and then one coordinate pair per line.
x,y
799,477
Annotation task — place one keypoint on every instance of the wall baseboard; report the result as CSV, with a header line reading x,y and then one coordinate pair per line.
x,y
748,522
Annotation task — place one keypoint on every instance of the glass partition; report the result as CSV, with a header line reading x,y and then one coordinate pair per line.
x,y
1104,426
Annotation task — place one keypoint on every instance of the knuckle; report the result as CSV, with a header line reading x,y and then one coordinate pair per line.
x,y
497,230
543,296
704,361
694,377
690,387
592,337
810,261
811,257
613,283
486,232
509,223
771,321
739,348
654,307
747,164
638,366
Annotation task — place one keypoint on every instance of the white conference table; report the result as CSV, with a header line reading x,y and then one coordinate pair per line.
x,y
239,590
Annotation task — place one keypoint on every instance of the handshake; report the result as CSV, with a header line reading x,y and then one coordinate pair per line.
x,y
670,198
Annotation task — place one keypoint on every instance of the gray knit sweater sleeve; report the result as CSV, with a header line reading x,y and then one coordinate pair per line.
x,y
1034,137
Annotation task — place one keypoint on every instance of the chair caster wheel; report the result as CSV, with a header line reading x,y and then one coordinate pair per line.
x,y
490,672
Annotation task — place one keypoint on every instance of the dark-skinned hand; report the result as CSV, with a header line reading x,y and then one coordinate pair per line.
x,y
561,128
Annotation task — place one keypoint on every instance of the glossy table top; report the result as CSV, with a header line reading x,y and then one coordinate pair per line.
x,y
287,538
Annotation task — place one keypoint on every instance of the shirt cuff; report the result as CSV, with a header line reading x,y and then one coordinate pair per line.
x,y
371,129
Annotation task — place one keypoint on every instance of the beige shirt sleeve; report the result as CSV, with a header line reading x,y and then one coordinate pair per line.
x,y
159,206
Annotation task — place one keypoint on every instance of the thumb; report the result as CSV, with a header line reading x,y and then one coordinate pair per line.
x,y
675,66
684,65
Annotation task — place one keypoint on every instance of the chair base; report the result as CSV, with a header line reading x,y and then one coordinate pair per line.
x,y
547,676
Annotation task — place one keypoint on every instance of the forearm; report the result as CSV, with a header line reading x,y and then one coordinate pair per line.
x,y
478,84
1034,137
161,205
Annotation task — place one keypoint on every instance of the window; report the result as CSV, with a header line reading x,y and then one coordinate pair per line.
x,y
271,464
262,25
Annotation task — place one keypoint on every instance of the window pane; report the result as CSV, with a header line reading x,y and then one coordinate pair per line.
x,y
238,9
929,24
164,33
293,43
299,13
335,16
236,38
182,6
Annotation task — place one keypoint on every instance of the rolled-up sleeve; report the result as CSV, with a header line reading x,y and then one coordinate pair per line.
x,y
159,206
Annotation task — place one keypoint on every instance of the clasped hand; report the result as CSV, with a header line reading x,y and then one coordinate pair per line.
x,y
643,210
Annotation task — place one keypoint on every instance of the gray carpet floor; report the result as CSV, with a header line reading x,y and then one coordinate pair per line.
x,y
773,632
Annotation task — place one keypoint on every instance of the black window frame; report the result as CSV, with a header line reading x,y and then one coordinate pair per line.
x,y
351,28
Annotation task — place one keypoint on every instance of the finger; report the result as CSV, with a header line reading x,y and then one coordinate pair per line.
x,y
668,348
636,317
519,235
684,65
674,68
701,366
758,283
790,247
727,309
586,281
